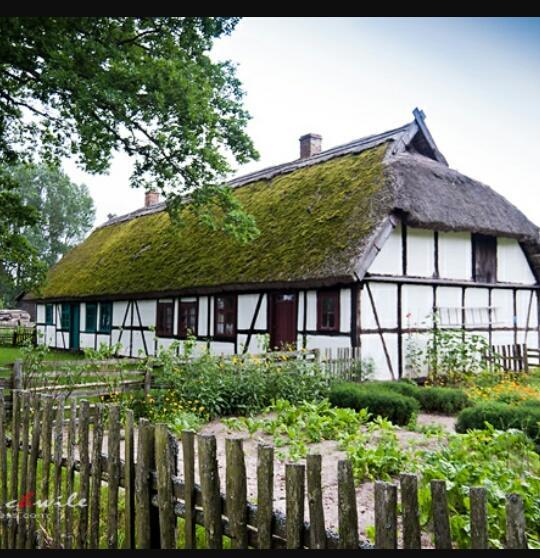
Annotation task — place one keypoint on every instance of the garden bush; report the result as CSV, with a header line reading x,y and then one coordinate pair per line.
x,y
432,399
503,417
378,401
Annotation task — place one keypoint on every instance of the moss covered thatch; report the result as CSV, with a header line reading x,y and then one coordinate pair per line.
x,y
313,222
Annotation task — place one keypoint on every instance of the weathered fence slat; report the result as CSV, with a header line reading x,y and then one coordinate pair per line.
x,y
84,472
129,481
32,472
317,531
265,495
70,474
14,479
113,470
211,497
347,509
145,449
3,473
385,515
236,492
516,534
57,460
441,520
188,456
479,524
25,440
46,452
165,456
409,507
95,488
294,494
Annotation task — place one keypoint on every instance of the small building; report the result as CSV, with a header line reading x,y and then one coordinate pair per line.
x,y
361,245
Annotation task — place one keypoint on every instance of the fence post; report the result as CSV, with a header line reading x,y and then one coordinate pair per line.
x,y
84,473
95,490
70,473
294,490
32,470
46,444
236,492
385,515
129,481
188,457
25,407
58,444
165,456
347,510
113,470
3,470
441,521
317,531
516,534
479,526
14,478
409,507
265,495
143,492
209,480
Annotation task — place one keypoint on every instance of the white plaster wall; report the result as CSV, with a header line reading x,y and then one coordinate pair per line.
x,y
87,340
147,310
455,255
414,342
372,348
41,335
502,301
311,322
502,337
345,310
221,348
512,265
450,297
82,316
476,299
106,339
138,344
119,311
40,313
420,253
300,313
323,342
247,304
416,306
526,307
203,316
388,261
385,300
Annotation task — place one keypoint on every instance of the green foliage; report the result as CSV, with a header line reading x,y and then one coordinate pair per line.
x,y
377,400
66,214
449,356
502,462
433,399
503,417
86,86
342,193
236,385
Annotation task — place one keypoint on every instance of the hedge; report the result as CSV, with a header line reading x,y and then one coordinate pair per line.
x,y
398,408
502,417
432,399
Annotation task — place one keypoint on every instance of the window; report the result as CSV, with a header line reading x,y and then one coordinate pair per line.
x,y
328,311
484,254
225,316
91,317
105,317
481,316
165,318
49,314
187,319
65,317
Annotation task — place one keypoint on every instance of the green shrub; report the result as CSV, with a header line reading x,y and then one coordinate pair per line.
x,y
501,417
378,401
432,399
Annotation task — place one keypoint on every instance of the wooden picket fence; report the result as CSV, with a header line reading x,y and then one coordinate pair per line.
x,y
513,358
146,479
17,336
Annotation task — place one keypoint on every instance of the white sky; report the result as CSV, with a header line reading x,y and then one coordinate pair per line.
x,y
477,80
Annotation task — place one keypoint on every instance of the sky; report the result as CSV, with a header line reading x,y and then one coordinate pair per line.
x,y
477,80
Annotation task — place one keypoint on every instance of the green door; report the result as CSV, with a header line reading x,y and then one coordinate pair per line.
x,y
74,326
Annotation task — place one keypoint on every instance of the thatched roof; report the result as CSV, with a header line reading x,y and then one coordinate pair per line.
x,y
320,219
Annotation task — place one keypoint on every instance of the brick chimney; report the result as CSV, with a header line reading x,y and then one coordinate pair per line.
x,y
151,197
310,144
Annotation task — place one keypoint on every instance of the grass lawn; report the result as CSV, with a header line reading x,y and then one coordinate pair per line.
x,y
8,355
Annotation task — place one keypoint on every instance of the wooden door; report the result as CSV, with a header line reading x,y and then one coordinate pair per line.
x,y
74,326
283,321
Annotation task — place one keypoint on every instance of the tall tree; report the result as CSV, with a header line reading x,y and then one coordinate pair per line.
x,y
86,86
63,212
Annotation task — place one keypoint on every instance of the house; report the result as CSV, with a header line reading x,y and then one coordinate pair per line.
x,y
360,245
